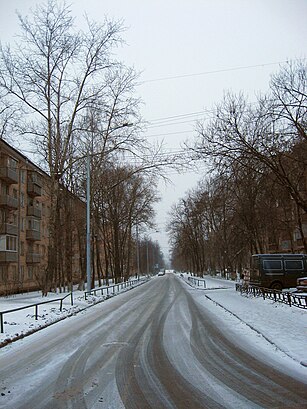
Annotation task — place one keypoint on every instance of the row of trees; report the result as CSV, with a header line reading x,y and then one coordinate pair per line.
x,y
63,91
254,197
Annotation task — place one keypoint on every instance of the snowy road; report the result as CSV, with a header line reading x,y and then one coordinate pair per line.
x,y
152,347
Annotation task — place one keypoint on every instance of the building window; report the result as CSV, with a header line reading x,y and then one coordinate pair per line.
x,y
5,189
11,243
22,248
30,272
12,163
3,273
8,243
33,224
22,224
23,176
21,273
22,199
14,273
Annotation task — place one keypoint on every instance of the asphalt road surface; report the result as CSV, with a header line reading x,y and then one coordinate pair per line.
x,y
151,347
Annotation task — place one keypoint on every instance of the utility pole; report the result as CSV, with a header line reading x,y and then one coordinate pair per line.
x,y
88,225
137,251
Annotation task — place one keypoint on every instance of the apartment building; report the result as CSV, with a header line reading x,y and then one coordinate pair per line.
x,y
24,220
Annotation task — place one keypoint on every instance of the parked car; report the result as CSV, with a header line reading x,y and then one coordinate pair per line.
x,y
277,271
161,273
302,284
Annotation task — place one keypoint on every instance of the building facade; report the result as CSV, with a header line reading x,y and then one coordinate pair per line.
x,y
24,220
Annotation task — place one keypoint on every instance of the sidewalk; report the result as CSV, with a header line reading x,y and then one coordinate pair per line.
x,y
22,323
282,326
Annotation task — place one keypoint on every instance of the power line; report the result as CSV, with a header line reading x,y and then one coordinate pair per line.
x,y
180,116
212,72
166,121
168,133
171,123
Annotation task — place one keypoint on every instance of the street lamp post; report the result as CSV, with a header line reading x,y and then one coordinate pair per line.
x,y
137,251
147,251
88,224
147,256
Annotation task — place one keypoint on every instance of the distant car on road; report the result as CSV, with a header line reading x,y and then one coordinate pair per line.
x,y
302,284
161,273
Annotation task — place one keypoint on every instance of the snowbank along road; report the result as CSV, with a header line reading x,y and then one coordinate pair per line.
x,y
152,347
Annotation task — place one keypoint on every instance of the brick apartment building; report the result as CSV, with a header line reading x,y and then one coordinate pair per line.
x,y
24,215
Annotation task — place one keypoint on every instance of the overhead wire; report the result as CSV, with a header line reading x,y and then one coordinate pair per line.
x,y
212,72
168,133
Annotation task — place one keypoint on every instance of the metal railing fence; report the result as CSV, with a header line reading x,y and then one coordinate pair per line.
x,y
35,308
111,288
286,297
197,281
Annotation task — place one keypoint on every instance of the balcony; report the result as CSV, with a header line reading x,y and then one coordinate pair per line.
x,y
8,202
32,258
34,211
34,187
7,228
33,235
8,256
9,175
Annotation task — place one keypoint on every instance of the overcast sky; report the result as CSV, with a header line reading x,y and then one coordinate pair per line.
x,y
188,52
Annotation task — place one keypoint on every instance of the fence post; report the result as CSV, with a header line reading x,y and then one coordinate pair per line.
x,y
36,311
71,298
61,304
1,321
289,298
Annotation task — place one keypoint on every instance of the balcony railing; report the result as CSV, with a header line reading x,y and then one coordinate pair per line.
x,y
33,235
34,211
9,175
8,256
7,228
34,188
32,258
8,202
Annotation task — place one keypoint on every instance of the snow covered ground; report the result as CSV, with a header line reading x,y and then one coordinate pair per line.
x,y
22,323
263,323
272,326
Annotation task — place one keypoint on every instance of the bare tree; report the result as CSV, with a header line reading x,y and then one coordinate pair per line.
x,y
121,202
57,74
258,154
288,99
9,114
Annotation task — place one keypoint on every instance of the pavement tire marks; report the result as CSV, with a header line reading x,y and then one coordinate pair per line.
x,y
146,378
240,371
